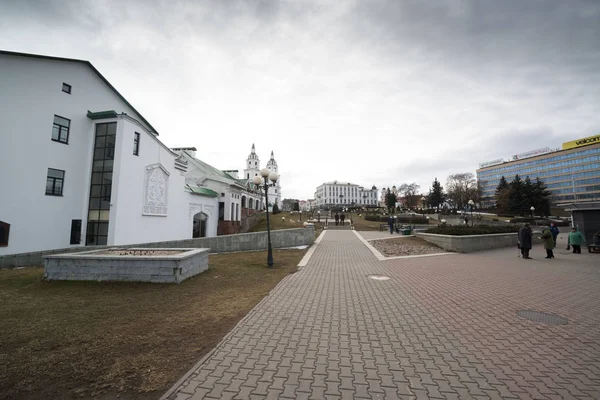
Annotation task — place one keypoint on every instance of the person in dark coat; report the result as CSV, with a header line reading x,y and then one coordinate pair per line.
x,y
555,231
548,242
337,219
525,235
342,218
391,224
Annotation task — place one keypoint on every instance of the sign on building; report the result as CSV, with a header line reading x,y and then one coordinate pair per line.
x,y
531,153
490,163
581,142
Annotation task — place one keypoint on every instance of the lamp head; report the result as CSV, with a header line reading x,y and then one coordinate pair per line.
x,y
256,180
273,176
471,202
264,172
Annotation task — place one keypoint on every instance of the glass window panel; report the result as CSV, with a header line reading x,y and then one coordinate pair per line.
x,y
94,203
61,121
103,215
96,191
93,215
100,142
55,132
102,240
49,185
103,228
104,204
98,166
100,130
111,129
58,186
55,173
110,141
98,154
108,165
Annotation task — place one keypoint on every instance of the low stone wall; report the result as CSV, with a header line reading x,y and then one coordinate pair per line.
x,y
219,244
92,266
470,243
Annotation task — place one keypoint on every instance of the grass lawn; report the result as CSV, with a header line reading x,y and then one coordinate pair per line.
x,y
100,339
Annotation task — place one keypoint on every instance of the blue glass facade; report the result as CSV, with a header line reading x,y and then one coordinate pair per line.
x,y
570,175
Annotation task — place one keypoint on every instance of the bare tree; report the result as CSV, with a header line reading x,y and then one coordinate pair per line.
x,y
409,192
460,188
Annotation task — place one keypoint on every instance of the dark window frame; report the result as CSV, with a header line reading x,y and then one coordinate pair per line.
x,y
66,86
75,231
136,144
60,130
6,227
54,191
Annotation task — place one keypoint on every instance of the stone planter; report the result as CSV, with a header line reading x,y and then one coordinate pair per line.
x,y
470,243
131,265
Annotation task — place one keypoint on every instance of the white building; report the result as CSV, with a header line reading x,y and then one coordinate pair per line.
x,y
345,194
81,166
253,169
237,198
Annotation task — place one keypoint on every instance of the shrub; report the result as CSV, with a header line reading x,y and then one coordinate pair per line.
x,y
401,219
495,219
473,230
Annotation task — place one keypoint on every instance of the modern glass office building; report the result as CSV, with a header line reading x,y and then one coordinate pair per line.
x,y
572,173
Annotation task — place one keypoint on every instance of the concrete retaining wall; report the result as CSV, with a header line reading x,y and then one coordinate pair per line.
x,y
470,243
219,244
91,266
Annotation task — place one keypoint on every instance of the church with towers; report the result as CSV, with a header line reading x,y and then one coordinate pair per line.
x,y
253,169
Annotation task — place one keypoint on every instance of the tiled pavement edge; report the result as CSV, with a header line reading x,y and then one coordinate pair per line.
x,y
441,327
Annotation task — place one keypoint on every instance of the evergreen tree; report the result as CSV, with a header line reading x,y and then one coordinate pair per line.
x,y
502,195
390,201
528,194
275,209
541,197
517,200
436,194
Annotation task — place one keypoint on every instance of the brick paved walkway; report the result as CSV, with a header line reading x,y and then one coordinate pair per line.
x,y
441,327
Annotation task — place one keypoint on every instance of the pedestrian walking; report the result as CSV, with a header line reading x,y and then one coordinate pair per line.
x,y
555,231
576,239
337,219
342,218
525,235
548,242
391,224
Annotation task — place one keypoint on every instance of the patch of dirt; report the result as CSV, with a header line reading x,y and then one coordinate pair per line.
x,y
406,246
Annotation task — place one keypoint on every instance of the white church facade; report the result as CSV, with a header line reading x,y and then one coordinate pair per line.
x,y
253,169
81,166
345,194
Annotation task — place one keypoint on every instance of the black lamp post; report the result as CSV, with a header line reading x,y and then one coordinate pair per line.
x,y
266,176
423,205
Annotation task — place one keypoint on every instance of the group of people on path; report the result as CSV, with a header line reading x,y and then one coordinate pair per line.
x,y
339,218
549,235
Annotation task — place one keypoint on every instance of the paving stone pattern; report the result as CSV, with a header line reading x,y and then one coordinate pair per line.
x,y
440,328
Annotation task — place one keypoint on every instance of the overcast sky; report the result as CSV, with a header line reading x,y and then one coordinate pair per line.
x,y
372,92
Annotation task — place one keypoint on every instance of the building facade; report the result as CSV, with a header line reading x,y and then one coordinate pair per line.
x,y
572,173
345,194
253,169
80,166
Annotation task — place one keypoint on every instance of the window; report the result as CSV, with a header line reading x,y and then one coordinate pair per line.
x,y
4,231
66,88
76,231
136,144
60,129
54,182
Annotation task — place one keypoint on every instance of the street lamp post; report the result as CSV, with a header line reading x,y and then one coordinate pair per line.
x,y
532,209
300,215
266,177
319,215
471,204
423,205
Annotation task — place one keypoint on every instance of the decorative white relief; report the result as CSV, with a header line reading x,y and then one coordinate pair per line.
x,y
195,208
156,186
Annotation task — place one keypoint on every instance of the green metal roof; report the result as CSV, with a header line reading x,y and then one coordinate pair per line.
x,y
202,191
102,114
89,64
